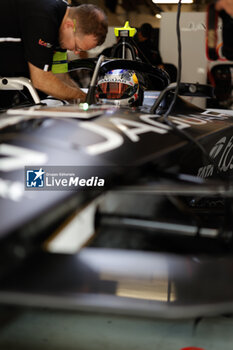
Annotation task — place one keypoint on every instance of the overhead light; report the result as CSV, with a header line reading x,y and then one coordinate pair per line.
x,y
172,1
158,16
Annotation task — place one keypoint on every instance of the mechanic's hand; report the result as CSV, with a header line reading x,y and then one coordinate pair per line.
x,y
226,5
82,96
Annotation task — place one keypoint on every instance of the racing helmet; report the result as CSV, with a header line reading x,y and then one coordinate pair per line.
x,y
119,86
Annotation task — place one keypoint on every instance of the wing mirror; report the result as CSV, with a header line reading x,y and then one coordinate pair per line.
x,y
18,83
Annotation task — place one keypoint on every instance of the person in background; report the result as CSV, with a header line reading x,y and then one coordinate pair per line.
x,y
144,42
34,37
225,9
226,5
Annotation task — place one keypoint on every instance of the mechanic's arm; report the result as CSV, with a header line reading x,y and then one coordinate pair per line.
x,y
51,85
65,78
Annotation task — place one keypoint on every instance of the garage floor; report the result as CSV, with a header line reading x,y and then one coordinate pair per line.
x,y
45,329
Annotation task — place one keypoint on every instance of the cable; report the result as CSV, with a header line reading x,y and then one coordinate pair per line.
x,y
166,115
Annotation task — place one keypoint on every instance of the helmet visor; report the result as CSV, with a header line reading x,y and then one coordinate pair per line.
x,y
115,91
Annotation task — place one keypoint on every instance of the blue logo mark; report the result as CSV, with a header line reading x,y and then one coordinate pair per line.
x,y
35,178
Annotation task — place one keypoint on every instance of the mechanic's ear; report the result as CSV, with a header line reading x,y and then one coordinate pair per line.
x,y
69,24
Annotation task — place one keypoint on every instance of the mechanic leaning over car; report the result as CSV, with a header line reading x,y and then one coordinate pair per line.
x,y
34,32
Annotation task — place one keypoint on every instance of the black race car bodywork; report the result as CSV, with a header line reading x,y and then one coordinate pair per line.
x,y
168,191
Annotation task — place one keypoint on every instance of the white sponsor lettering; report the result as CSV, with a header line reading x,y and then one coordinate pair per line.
x,y
149,118
210,115
181,124
206,171
225,162
16,157
132,129
193,119
10,120
217,148
112,139
11,190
